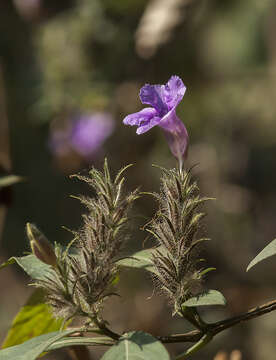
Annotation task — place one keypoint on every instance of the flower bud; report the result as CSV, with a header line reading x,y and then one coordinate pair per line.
x,y
40,245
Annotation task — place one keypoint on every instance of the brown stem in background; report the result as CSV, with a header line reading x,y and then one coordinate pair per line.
x,y
5,162
79,352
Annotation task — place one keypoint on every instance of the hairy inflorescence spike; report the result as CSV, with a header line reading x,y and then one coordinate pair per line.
x,y
175,227
82,278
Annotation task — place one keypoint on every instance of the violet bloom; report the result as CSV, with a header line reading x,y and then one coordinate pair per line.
x,y
90,131
84,133
164,100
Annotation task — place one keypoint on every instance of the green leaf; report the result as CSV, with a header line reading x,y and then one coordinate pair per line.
x,y
35,268
139,260
31,349
267,252
210,297
34,318
9,180
137,346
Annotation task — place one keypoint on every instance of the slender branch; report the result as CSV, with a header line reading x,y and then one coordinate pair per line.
x,y
105,330
217,327
201,337
251,314
192,336
196,335
200,344
191,314
207,333
110,333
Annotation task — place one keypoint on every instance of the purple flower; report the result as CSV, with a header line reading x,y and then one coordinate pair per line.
x,y
164,100
84,133
90,131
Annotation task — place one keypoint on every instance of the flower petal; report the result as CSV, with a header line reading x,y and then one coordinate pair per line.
x,y
154,95
146,127
141,117
174,92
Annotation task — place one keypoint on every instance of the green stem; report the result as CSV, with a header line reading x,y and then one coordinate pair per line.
x,y
180,163
196,347
105,330
191,314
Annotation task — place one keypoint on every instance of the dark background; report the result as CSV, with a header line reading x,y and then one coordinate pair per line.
x,y
59,57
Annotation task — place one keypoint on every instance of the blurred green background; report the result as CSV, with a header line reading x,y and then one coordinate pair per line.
x,y
68,57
